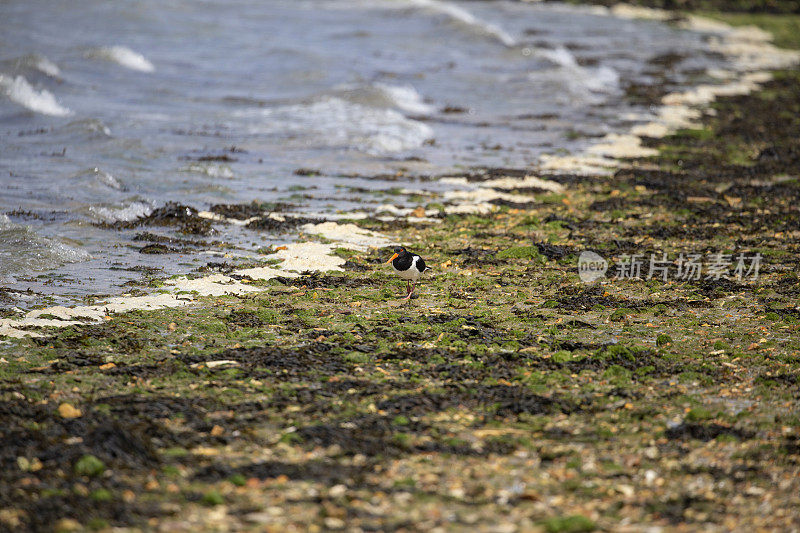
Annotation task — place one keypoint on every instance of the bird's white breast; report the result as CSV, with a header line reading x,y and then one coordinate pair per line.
x,y
413,273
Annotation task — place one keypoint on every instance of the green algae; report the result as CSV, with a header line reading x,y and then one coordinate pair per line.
x,y
506,360
90,466
785,28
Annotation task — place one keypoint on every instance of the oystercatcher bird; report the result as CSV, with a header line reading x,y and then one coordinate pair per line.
x,y
408,266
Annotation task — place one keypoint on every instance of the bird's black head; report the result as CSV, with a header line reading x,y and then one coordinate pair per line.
x,y
399,251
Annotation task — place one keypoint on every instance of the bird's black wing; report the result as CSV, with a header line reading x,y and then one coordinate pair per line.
x,y
421,266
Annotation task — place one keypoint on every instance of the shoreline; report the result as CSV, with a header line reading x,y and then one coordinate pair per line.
x,y
748,48
509,396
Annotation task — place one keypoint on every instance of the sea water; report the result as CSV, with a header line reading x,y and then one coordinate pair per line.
x,y
109,110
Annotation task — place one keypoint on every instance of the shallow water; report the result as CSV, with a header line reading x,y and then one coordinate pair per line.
x,y
106,109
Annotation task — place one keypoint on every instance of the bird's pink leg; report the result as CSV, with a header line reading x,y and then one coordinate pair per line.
x,y
410,292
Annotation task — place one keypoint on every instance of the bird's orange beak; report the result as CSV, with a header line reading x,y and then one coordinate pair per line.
x,y
390,259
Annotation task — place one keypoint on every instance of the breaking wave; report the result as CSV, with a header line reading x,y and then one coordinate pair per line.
x,y
334,122
32,63
463,16
23,250
124,57
120,213
45,66
94,177
89,128
406,98
18,90
212,170
401,97
578,78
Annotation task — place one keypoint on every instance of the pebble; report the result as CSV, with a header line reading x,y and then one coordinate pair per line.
x,y
67,524
258,518
337,491
625,490
332,522
68,411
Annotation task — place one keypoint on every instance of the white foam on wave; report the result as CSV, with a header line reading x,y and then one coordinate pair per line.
x,y
406,98
463,16
44,65
560,56
121,213
19,91
581,79
125,57
22,250
382,95
212,170
100,177
333,122
36,62
83,128
31,64
602,79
